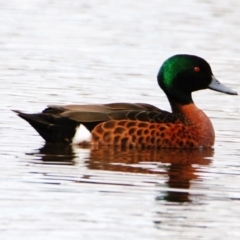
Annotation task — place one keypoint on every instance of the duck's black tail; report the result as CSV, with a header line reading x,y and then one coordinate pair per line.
x,y
52,128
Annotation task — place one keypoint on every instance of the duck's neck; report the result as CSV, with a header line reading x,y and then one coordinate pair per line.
x,y
196,117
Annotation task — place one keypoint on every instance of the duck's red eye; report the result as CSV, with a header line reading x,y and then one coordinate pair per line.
x,y
197,69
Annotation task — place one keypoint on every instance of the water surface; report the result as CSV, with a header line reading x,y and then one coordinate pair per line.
x,y
102,51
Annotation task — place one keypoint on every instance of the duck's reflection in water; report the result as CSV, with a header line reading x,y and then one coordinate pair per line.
x,y
181,166
59,154
179,179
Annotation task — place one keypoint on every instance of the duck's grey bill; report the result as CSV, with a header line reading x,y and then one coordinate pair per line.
x,y
217,86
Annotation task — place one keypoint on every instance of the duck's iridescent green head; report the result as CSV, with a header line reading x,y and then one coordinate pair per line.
x,y
182,74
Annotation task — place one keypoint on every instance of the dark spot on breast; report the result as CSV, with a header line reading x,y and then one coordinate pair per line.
x,y
131,124
134,138
131,131
180,143
142,125
109,124
131,146
139,132
184,136
119,130
153,140
173,137
122,123
153,132
180,131
99,129
124,141
141,140
166,143
162,135
146,131
152,126
162,128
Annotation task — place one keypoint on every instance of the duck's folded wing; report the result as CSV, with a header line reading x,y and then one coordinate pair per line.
x,y
104,108
116,111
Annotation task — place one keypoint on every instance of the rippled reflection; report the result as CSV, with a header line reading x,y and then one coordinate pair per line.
x,y
55,154
180,176
178,166
183,166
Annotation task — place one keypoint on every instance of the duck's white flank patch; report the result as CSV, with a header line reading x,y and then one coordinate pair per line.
x,y
81,135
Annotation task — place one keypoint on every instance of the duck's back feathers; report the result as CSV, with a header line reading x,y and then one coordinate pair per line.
x,y
114,111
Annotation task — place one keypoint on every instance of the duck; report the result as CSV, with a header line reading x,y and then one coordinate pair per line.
x,y
139,124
